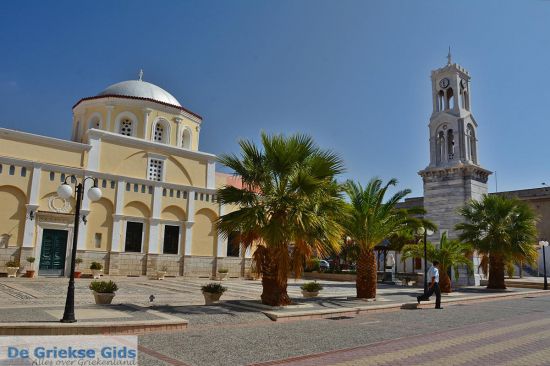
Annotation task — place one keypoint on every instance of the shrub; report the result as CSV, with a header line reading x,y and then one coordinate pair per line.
x,y
78,260
312,264
164,268
311,286
31,259
96,266
12,264
223,270
103,287
214,288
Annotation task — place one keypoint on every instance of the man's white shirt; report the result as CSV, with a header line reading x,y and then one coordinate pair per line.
x,y
433,272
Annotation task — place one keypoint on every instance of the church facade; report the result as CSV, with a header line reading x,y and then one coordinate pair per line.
x,y
158,206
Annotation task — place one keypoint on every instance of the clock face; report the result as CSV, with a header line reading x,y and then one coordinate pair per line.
x,y
444,83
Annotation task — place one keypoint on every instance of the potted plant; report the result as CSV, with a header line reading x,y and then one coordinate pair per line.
x,y
96,268
30,272
77,272
212,292
311,289
162,272
13,267
223,273
103,291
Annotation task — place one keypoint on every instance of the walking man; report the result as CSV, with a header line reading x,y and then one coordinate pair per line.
x,y
433,275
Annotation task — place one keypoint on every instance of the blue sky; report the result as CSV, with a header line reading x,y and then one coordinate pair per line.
x,y
353,74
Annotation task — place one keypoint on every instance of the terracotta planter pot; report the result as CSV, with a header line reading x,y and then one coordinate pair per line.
x,y
96,273
30,273
12,271
103,298
77,274
308,294
211,298
160,275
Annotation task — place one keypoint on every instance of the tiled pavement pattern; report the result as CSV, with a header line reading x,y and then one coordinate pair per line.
x,y
521,341
136,290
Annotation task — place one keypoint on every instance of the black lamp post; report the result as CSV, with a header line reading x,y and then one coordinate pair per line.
x,y
543,244
66,191
423,231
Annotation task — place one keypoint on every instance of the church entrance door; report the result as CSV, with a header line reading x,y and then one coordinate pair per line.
x,y
53,253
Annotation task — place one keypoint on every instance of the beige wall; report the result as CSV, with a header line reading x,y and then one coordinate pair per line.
x,y
204,233
12,214
38,153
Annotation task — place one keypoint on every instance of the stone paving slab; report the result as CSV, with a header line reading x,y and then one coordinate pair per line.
x,y
110,319
350,306
523,340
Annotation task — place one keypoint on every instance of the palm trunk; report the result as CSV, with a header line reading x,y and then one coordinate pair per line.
x,y
273,288
445,282
496,272
366,275
274,292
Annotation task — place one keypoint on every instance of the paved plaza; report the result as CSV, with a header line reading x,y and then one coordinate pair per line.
x,y
506,331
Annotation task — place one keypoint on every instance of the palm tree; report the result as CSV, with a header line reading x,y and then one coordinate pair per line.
x,y
502,230
370,220
449,254
289,206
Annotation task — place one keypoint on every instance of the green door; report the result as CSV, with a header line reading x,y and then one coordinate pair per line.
x,y
52,256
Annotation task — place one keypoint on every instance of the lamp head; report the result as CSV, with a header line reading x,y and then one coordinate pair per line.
x,y
65,191
420,230
94,194
543,243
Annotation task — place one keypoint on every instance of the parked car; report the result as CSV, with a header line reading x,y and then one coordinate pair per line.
x,y
324,265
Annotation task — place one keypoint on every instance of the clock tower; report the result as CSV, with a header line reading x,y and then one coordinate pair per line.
x,y
454,175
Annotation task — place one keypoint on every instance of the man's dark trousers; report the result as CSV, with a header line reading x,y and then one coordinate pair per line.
x,y
431,290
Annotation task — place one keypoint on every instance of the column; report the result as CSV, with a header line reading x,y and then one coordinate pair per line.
x,y
146,113
93,154
154,221
190,221
211,175
198,135
117,222
178,132
222,241
108,119
32,206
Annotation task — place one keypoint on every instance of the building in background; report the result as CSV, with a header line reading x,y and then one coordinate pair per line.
x,y
159,204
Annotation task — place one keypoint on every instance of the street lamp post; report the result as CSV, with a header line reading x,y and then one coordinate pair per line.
x,y
423,231
543,244
66,191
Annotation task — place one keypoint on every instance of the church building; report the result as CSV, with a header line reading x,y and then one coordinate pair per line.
x,y
158,206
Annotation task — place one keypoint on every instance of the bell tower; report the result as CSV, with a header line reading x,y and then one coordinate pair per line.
x,y
454,175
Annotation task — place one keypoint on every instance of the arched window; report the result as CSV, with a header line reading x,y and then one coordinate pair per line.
x,y
440,147
126,123
451,144
161,131
94,122
126,127
158,133
186,139
471,144
440,101
450,102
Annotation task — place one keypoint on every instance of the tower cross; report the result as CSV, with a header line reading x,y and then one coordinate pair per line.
x,y
140,74
449,61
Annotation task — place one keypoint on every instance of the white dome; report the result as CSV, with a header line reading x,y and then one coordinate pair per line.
x,y
141,89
